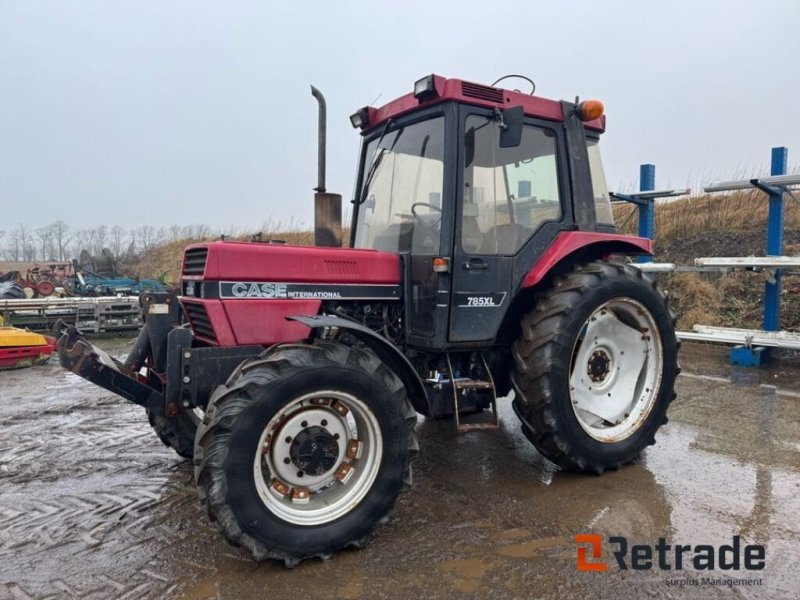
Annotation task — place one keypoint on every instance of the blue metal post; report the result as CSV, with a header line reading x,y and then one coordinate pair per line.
x,y
647,211
772,291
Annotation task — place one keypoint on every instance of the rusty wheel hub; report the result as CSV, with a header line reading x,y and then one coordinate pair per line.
x,y
599,366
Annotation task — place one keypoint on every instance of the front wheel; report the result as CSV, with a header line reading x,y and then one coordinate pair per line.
x,y
305,450
176,432
595,367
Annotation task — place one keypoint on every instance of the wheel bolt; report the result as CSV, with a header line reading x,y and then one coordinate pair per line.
x,y
304,424
324,422
299,473
287,460
336,436
288,439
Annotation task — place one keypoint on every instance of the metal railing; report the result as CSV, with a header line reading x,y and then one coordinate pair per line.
x,y
752,344
101,314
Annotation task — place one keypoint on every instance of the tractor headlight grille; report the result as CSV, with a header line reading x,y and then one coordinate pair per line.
x,y
194,261
198,319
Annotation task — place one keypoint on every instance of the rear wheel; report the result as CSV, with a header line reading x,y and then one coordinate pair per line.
x,y
304,451
595,367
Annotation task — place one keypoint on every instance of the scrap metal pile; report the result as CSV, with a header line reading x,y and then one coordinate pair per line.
x,y
87,276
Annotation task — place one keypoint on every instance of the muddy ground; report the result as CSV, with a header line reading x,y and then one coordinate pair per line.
x,y
93,506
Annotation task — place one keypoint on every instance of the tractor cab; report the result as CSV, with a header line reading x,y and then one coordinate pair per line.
x,y
471,184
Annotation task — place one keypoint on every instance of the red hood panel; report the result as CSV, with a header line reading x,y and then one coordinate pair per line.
x,y
250,261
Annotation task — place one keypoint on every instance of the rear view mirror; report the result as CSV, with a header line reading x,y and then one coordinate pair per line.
x,y
511,127
469,147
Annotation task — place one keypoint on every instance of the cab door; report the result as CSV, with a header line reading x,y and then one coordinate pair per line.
x,y
509,201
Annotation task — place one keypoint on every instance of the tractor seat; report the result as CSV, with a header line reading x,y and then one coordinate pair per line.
x,y
471,234
394,238
505,239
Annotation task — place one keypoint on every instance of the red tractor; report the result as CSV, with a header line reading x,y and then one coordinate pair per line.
x,y
481,265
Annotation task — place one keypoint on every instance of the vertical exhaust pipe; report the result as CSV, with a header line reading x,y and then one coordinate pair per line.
x,y
322,128
327,207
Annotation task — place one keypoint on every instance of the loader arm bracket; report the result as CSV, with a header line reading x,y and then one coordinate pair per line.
x,y
78,355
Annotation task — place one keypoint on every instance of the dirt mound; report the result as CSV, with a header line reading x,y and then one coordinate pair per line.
x,y
164,261
683,250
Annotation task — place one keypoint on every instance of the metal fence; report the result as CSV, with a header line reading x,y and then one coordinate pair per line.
x,y
751,346
102,314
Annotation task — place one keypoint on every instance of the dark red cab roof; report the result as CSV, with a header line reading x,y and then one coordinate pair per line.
x,y
477,94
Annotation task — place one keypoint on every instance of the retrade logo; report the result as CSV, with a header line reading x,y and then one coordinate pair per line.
x,y
595,542
669,557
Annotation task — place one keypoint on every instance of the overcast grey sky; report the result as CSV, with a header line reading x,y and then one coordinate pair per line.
x,y
135,113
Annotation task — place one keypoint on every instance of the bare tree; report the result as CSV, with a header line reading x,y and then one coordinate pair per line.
x,y
13,246
145,237
117,240
61,238
161,236
45,237
200,232
24,247
100,235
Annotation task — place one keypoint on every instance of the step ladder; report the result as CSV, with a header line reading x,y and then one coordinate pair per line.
x,y
459,385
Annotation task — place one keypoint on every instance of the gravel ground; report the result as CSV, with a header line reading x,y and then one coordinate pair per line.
x,y
93,506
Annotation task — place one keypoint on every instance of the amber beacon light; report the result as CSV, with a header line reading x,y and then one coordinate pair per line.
x,y
589,110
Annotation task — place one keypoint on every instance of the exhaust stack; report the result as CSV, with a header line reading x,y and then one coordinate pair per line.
x,y
327,207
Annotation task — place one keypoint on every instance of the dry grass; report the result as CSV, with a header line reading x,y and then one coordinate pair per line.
x,y
694,300
696,215
164,261
732,300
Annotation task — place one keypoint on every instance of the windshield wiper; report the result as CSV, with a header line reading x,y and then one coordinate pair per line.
x,y
371,173
377,157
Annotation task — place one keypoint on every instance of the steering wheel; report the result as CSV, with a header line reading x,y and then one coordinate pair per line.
x,y
427,228
433,206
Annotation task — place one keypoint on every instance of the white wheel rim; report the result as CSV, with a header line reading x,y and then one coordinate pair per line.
x,y
616,370
345,471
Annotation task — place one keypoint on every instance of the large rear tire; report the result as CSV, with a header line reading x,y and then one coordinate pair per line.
x,y
595,367
304,450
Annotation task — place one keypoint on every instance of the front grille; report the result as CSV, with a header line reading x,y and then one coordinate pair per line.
x,y
483,92
194,261
198,319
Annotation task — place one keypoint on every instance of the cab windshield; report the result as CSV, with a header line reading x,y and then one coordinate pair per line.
x,y
401,200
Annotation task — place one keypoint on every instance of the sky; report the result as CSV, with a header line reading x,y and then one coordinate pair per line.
x,y
158,113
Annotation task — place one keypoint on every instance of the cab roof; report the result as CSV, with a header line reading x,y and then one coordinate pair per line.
x,y
476,94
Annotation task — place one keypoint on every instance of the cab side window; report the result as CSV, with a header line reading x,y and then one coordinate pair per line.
x,y
509,192
602,202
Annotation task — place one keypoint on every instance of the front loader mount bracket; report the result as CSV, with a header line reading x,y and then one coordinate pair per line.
x,y
83,358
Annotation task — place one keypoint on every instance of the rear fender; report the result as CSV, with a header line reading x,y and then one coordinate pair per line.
x,y
384,350
569,248
572,246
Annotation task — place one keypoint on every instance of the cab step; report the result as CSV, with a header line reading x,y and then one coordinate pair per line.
x,y
463,384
